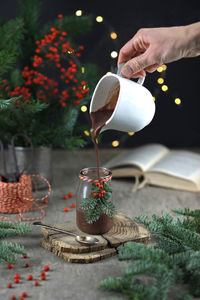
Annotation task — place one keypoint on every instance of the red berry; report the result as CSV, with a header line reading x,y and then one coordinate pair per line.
x,y
101,186
45,201
13,297
17,276
24,294
29,277
66,197
97,183
95,194
36,283
9,285
46,268
73,205
66,209
103,192
43,277
100,195
60,16
27,265
25,256
16,280
10,266
43,273
70,195
21,298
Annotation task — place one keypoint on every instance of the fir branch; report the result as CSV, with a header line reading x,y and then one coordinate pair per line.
x,y
98,203
9,250
175,259
7,104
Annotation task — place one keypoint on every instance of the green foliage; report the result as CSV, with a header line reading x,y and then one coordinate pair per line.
x,y
98,204
11,32
9,250
47,125
152,272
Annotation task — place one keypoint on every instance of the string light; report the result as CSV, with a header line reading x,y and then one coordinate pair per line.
x,y
86,132
83,108
131,133
115,143
160,80
154,99
99,19
164,87
114,54
159,69
109,72
177,101
113,35
164,67
78,13
82,70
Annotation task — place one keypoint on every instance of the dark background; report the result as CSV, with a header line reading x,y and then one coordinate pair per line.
x,y
173,125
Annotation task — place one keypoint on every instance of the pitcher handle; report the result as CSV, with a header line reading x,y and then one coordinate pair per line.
x,y
140,79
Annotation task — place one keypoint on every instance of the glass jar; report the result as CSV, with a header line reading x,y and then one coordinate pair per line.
x,y
94,209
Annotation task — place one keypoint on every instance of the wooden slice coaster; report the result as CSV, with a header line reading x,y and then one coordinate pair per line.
x,y
66,247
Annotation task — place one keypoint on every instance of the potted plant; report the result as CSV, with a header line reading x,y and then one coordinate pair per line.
x,y
43,83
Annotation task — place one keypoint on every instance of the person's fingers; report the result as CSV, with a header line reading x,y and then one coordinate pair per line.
x,y
135,65
126,53
152,68
142,73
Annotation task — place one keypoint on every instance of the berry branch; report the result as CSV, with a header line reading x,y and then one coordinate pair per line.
x,y
98,203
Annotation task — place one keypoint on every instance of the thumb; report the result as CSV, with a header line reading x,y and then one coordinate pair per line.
x,y
135,65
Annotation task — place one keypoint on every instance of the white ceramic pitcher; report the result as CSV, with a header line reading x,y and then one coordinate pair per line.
x,y
134,107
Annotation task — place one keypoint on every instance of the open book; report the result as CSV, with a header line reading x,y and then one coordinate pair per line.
x,y
157,165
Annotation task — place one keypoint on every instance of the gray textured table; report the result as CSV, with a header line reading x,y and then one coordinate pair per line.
x,y
80,281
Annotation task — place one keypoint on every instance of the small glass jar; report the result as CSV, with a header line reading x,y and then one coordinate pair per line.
x,y
93,191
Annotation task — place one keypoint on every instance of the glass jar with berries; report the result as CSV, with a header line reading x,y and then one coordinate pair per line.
x,y
94,208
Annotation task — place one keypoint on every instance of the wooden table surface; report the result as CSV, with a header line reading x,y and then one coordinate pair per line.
x,y
78,281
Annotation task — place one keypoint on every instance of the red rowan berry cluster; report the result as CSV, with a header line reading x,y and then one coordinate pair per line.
x,y
53,49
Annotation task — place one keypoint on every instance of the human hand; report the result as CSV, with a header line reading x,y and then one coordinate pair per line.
x,y
151,47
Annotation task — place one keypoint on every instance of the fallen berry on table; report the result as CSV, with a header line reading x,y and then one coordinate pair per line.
x,y
9,285
70,195
46,268
17,276
66,209
24,294
10,266
25,256
66,197
43,273
73,205
29,277
27,265
45,201
13,297
43,277
36,283
21,298
16,280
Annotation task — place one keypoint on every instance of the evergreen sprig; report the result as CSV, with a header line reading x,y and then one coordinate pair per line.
x,y
98,203
8,250
175,259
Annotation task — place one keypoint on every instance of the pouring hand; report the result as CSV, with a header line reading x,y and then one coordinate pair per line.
x,y
151,47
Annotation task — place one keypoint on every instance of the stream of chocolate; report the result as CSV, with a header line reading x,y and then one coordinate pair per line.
x,y
100,117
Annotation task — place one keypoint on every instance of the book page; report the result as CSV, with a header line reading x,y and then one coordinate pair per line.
x,y
180,163
142,157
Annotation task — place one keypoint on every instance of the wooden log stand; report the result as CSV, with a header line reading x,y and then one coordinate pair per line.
x,y
66,247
